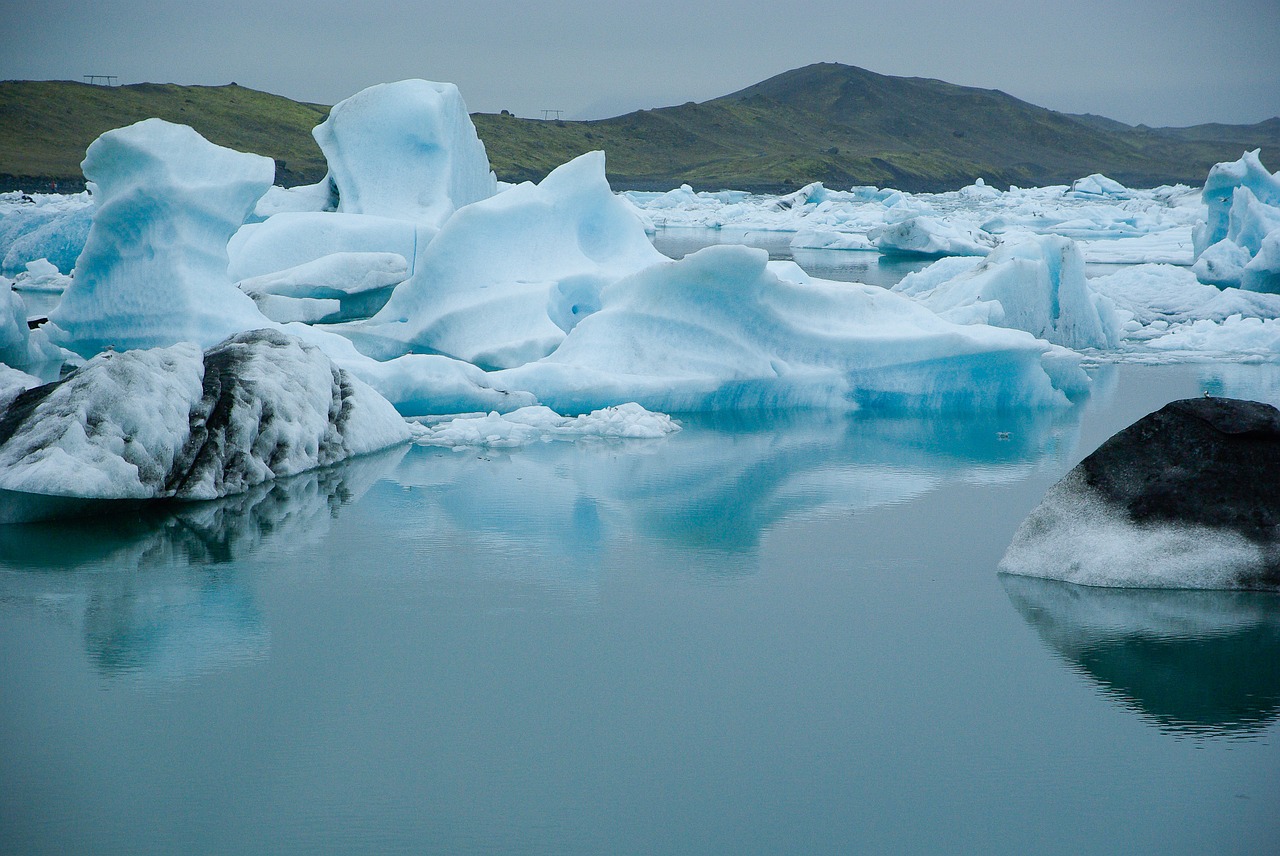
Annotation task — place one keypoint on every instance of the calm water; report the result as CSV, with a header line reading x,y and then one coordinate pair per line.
x,y
762,635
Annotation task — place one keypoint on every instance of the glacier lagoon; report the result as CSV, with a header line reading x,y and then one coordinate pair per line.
x,y
756,635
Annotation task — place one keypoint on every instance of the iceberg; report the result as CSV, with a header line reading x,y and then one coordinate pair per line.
x,y
721,330
508,277
288,240
928,236
154,269
1037,285
50,226
1236,244
1098,185
178,423
405,150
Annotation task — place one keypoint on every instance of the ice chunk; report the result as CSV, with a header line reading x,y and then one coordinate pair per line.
x,y
822,239
928,236
1235,336
419,384
405,150
307,310
1098,185
506,278
1222,264
1219,195
335,275
19,346
154,270
288,240
1157,296
12,383
175,422
541,424
1037,285
321,196
1184,498
41,275
1262,273
51,227
719,330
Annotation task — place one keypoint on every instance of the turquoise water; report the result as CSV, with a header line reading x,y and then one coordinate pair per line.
x,y
771,634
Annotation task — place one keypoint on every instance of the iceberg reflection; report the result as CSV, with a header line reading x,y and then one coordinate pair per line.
x,y
1189,662
164,592
721,484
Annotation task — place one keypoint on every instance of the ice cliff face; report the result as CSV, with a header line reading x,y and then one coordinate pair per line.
x,y
180,423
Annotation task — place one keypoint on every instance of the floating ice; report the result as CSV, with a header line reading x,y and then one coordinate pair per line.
x,y
20,347
50,226
928,236
419,384
1157,297
41,275
1099,185
406,150
154,270
1037,285
175,422
506,278
289,240
1234,244
541,424
720,330
335,275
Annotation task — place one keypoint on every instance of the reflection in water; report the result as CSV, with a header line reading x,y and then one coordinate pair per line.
x,y
721,484
1192,662
162,593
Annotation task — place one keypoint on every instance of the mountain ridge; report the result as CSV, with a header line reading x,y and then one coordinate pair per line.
x,y
828,122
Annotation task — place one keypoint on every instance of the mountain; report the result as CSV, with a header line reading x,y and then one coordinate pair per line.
x,y
827,122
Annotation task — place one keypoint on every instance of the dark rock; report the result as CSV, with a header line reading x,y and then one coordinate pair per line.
x,y
1209,461
1186,497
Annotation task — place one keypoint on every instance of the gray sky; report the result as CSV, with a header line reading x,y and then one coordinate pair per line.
x,y
1159,62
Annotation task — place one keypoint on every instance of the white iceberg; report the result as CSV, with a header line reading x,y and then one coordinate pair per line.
x,y
507,278
406,150
154,269
720,330
1037,285
929,236
288,240
1242,204
48,226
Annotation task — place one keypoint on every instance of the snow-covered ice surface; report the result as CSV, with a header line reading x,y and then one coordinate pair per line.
x,y
178,423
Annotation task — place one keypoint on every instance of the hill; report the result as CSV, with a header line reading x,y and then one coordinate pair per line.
x,y
827,122
46,125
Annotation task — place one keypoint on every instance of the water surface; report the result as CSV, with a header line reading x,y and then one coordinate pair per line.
x,y
763,634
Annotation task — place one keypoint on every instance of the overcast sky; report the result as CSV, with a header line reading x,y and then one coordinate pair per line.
x,y
1159,62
